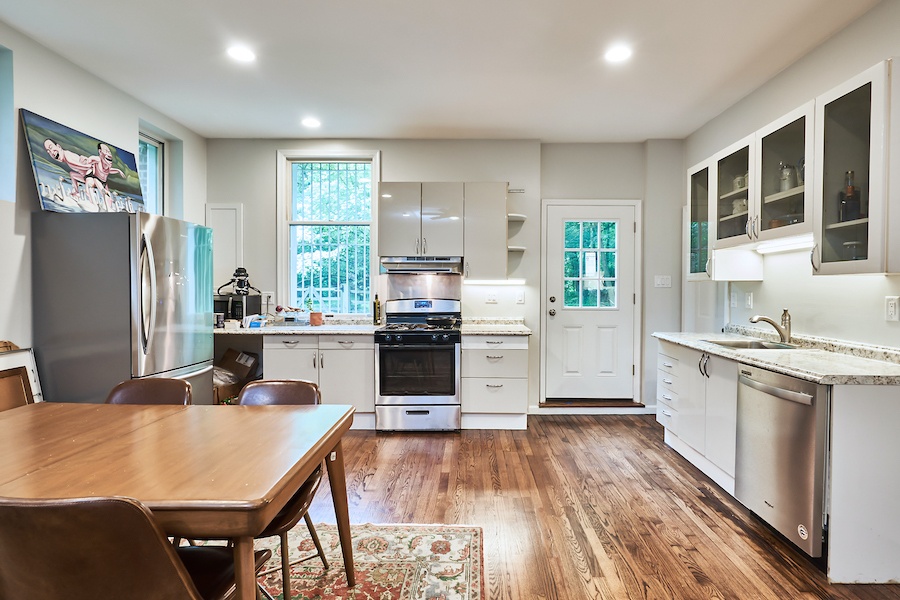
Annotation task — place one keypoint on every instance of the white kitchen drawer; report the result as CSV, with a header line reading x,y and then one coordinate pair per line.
x,y
667,417
495,342
494,362
494,395
290,342
668,381
666,395
667,363
346,342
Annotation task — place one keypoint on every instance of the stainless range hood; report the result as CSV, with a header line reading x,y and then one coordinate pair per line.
x,y
421,264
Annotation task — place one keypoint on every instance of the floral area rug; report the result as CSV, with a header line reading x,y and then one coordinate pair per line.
x,y
393,562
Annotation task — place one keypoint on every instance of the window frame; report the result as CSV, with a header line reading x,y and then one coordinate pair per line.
x,y
283,209
160,145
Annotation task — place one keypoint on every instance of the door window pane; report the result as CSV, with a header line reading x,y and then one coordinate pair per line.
x,y
589,264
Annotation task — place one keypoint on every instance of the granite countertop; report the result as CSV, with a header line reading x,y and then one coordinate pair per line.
x,y
810,361
469,327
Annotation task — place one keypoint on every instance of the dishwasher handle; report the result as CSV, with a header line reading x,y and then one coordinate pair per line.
x,y
798,397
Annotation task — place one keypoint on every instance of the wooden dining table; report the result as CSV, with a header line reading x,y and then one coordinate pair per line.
x,y
206,472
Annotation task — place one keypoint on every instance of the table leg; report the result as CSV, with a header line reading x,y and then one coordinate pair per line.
x,y
244,569
338,480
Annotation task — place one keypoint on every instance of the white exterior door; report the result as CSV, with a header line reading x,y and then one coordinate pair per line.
x,y
590,302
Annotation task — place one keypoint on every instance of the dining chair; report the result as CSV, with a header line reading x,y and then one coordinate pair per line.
x,y
104,547
265,392
151,390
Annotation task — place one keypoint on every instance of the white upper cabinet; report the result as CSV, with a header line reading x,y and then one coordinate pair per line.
x,y
850,221
696,234
733,182
784,155
486,233
420,219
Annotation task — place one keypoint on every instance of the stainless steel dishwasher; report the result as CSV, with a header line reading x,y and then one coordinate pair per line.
x,y
781,453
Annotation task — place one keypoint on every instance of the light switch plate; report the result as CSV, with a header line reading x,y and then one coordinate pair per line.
x,y
748,300
520,297
662,281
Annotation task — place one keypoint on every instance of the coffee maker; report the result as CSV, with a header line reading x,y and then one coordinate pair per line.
x,y
241,302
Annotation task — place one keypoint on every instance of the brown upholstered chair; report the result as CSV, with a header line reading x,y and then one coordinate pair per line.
x,y
289,391
88,548
151,390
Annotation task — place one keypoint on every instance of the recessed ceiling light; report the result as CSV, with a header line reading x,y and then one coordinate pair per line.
x,y
311,122
241,53
618,53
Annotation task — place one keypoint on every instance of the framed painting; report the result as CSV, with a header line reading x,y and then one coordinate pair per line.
x,y
75,172
19,383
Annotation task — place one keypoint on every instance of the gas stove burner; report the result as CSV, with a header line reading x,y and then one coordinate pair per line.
x,y
415,327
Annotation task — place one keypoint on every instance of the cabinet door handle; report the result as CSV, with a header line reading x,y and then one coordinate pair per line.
x,y
705,364
493,342
424,246
315,357
669,381
665,397
668,365
290,343
321,361
700,364
747,227
467,269
346,343
706,268
812,257
666,413
490,357
417,246
493,385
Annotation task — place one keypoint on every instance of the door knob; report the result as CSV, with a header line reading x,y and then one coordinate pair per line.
x,y
552,312
552,298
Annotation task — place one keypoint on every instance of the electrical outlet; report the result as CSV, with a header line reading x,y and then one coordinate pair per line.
x,y
490,298
268,301
662,281
520,297
748,300
892,308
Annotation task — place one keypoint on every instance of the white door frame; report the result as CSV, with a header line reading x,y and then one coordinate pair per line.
x,y
638,295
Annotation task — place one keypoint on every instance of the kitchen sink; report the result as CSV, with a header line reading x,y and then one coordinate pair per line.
x,y
752,344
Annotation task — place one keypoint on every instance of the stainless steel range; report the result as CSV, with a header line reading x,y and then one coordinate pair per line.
x,y
417,366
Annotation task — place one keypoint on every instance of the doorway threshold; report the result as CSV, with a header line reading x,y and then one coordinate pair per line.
x,y
590,403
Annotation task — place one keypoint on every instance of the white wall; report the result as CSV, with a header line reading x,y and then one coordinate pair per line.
x,y
841,307
47,84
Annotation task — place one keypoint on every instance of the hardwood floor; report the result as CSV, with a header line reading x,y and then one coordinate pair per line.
x,y
580,507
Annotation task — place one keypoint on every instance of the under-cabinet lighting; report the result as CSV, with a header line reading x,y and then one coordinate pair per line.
x,y
799,242
494,281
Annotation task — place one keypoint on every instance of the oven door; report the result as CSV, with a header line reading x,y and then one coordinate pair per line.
x,y
417,374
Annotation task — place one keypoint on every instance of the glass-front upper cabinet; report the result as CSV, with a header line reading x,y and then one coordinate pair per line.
x,y
697,226
734,186
850,194
784,157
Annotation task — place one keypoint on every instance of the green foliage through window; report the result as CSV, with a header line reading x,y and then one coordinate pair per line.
x,y
331,213
589,264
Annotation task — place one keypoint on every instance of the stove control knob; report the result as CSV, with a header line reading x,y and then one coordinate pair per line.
x,y
445,337
388,338
434,337
398,337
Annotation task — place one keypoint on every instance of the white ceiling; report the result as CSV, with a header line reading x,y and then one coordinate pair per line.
x,y
470,69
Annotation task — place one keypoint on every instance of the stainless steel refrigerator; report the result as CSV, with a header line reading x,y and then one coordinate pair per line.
x,y
118,296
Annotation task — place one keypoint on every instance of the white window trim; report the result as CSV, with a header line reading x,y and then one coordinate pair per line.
x,y
282,207
162,168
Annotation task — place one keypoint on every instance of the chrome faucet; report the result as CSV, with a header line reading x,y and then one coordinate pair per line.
x,y
784,330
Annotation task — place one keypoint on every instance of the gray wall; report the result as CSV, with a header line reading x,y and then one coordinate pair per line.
x,y
842,307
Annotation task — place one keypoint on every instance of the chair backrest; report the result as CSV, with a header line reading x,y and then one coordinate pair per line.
x,y
151,390
280,391
87,548
15,390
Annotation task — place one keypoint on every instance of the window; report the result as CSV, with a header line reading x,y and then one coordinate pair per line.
x,y
150,170
589,268
329,232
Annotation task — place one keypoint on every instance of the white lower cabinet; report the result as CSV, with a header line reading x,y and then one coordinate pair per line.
x,y
697,404
494,373
342,365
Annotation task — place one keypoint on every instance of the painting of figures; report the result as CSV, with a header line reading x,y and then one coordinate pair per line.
x,y
75,172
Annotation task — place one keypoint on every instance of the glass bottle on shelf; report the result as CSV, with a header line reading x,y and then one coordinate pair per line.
x,y
849,199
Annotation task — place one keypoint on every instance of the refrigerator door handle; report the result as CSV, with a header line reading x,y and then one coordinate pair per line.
x,y
193,373
148,294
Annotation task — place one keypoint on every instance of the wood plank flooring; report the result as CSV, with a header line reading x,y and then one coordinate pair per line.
x,y
581,507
